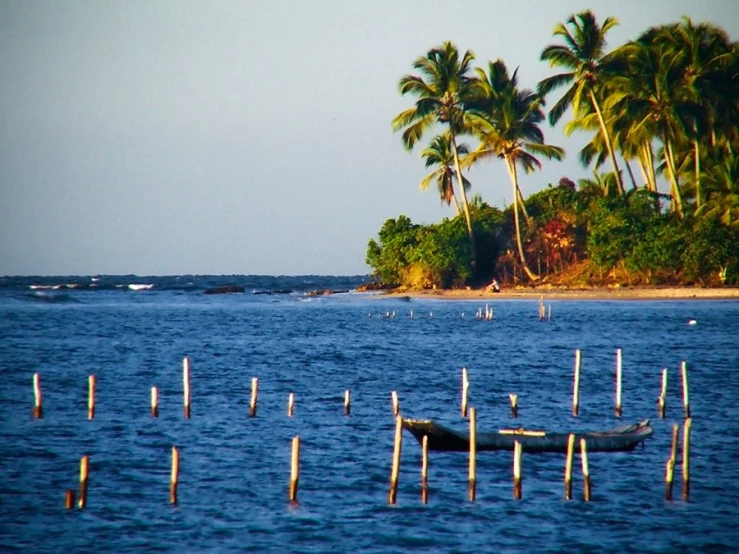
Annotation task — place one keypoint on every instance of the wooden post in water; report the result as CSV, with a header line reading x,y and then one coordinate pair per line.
x,y
69,499
395,471
91,397
396,403
585,470
542,312
549,316
38,409
154,402
254,395
576,386
671,461
514,405
84,471
295,470
686,458
425,470
186,385
290,405
568,466
618,381
347,403
662,401
517,488
473,455
686,401
465,389
174,476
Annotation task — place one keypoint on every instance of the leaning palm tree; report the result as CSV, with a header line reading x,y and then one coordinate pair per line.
x,y
439,155
441,87
582,54
506,121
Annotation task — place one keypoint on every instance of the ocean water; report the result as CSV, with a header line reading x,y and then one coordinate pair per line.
x,y
234,470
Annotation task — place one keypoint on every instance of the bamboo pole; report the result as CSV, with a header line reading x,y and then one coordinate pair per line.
x,y
186,385
396,403
174,476
618,381
38,409
425,470
473,455
671,461
254,396
295,470
662,401
517,488
514,405
394,473
84,471
585,470
347,403
154,402
686,458
290,405
91,397
686,401
69,499
568,466
465,390
576,386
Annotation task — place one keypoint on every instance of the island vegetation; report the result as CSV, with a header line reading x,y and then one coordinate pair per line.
x,y
664,106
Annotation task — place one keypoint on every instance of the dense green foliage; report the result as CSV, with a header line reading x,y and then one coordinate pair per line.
x,y
665,107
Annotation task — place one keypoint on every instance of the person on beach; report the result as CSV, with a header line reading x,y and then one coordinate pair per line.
x,y
494,286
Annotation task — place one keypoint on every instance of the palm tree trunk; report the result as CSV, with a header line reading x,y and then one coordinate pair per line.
x,y
465,205
696,153
609,143
631,174
675,186
522,203
514,180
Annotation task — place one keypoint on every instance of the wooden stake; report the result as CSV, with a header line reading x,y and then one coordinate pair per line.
x,y
91,397
542,312
618,381
38,409
585,470
69,499
686,458
295,470
175,476
517,489
568,466
347,403
396,460
186,385
425,470
290,405
396,403
84,470
465,389
254,395
662,401
671,461
549,316
686,401
473,455
154,402
576,387
514,405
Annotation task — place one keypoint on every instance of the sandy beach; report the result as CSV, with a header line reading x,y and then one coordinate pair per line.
x,y
615,293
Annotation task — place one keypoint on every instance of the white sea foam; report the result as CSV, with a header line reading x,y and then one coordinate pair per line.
x,y
139,287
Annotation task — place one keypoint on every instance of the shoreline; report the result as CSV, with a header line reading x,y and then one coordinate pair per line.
x,y
553,293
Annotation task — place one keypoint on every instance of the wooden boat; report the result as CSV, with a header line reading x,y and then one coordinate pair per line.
x,y
620,439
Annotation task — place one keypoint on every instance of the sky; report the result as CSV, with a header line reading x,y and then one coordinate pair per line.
x,y
246,137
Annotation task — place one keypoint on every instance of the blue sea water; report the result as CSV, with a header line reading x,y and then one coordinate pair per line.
x,y
234,470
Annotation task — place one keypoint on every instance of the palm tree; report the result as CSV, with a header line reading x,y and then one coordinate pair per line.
x,y
439,154
441,87
506,121
582,54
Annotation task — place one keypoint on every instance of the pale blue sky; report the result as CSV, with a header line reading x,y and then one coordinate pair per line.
x,y
243,137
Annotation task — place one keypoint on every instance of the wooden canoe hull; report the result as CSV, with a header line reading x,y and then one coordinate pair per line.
x,y
440,438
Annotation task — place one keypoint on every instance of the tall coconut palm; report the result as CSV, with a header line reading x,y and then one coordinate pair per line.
x,y
439,154
441,87
506,121
582,54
